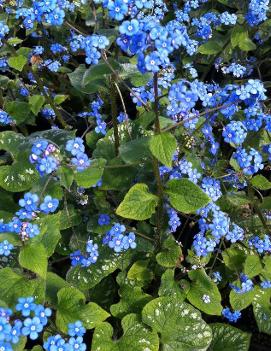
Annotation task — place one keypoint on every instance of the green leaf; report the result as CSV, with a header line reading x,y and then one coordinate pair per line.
x,y
234,258
260,182
18,110
34,258
69,217
247,45
136,336
50,233
180,325
135,151
132,298
58,99
228,338
163,147
92,174
252,266
202,286
66,176
238,34
212,47
138,203
262,311
96,74
14,41
109,262
53,284
20,176
11,142
185,196
20,345
241,301
170,254
170,287
139,273
36,102
17,62
138,79
14,285
71,307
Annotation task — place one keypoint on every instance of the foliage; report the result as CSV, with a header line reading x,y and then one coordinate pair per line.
x,y
134,175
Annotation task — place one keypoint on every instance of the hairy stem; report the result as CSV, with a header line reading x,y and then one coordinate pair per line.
x,y
159,213
114,113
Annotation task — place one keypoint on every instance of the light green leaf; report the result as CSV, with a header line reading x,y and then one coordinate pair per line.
x,y
247,45
252,266
136,337
92,174
17,62
170,287
11,142
18,110
135,151
201,287
138,203
260,182
109,262
212,47
262,311
71,307
185,196
170,254
139,273
14,285
180,325
36,102
66,176
53,284
132,298
58,99
238,34
241,301
163,147
20,176
34,258
50,233
228,338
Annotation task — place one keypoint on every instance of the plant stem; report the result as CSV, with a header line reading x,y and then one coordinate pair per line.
x,y
159,184
114,112
50,101
257,209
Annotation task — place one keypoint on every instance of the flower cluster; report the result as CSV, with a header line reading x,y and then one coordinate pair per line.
x,y
261,245
91,46
74,341
87,259
117,239
77,149
231,316
45,156
31,322
5,118
246,285
214,224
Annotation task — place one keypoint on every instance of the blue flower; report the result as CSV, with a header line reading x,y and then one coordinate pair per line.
x,y
81,161
129,28
117,9
5,248
75,146
76,329
49,204
32,327
29,202
25,305
103,219
231,316
42,313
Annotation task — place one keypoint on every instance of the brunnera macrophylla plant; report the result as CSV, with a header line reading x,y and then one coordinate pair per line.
x,y
135,175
